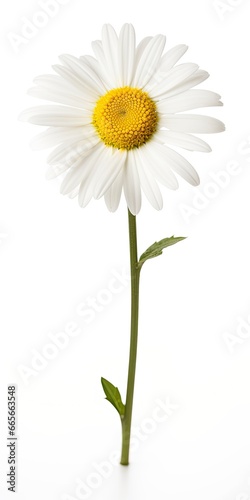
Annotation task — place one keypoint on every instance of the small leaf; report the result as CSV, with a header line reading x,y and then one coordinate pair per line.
x,y
157,248
113,396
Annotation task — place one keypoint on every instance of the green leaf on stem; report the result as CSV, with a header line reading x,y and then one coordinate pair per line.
x,y
113,396
157,249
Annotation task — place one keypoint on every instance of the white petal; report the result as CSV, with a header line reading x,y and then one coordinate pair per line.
x,y
55,170
84,73
148,183
85,192
155,158
97,68
55,135
131,185
86,195
181,140
167,62
190,99
171,57
60,97
63,152
74,80
70,151
108,171
73,193
193,124
74,177
140,49
113,194
104,172
55,84
181,166
81,170
149,61
110,50
193,80
99,53
57,116
126,54
172,78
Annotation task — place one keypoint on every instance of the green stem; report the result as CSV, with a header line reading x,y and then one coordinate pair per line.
x,y
135,278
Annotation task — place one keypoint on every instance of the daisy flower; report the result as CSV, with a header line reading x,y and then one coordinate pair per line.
x,y
118,117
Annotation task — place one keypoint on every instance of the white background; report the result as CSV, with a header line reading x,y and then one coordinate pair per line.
x,y
54,256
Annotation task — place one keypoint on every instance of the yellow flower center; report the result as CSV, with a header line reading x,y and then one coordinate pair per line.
x,y
125,118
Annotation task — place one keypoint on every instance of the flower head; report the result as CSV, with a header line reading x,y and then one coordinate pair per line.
x,y
119,115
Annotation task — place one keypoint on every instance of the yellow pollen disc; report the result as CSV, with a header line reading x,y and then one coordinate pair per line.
x,y
125,118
